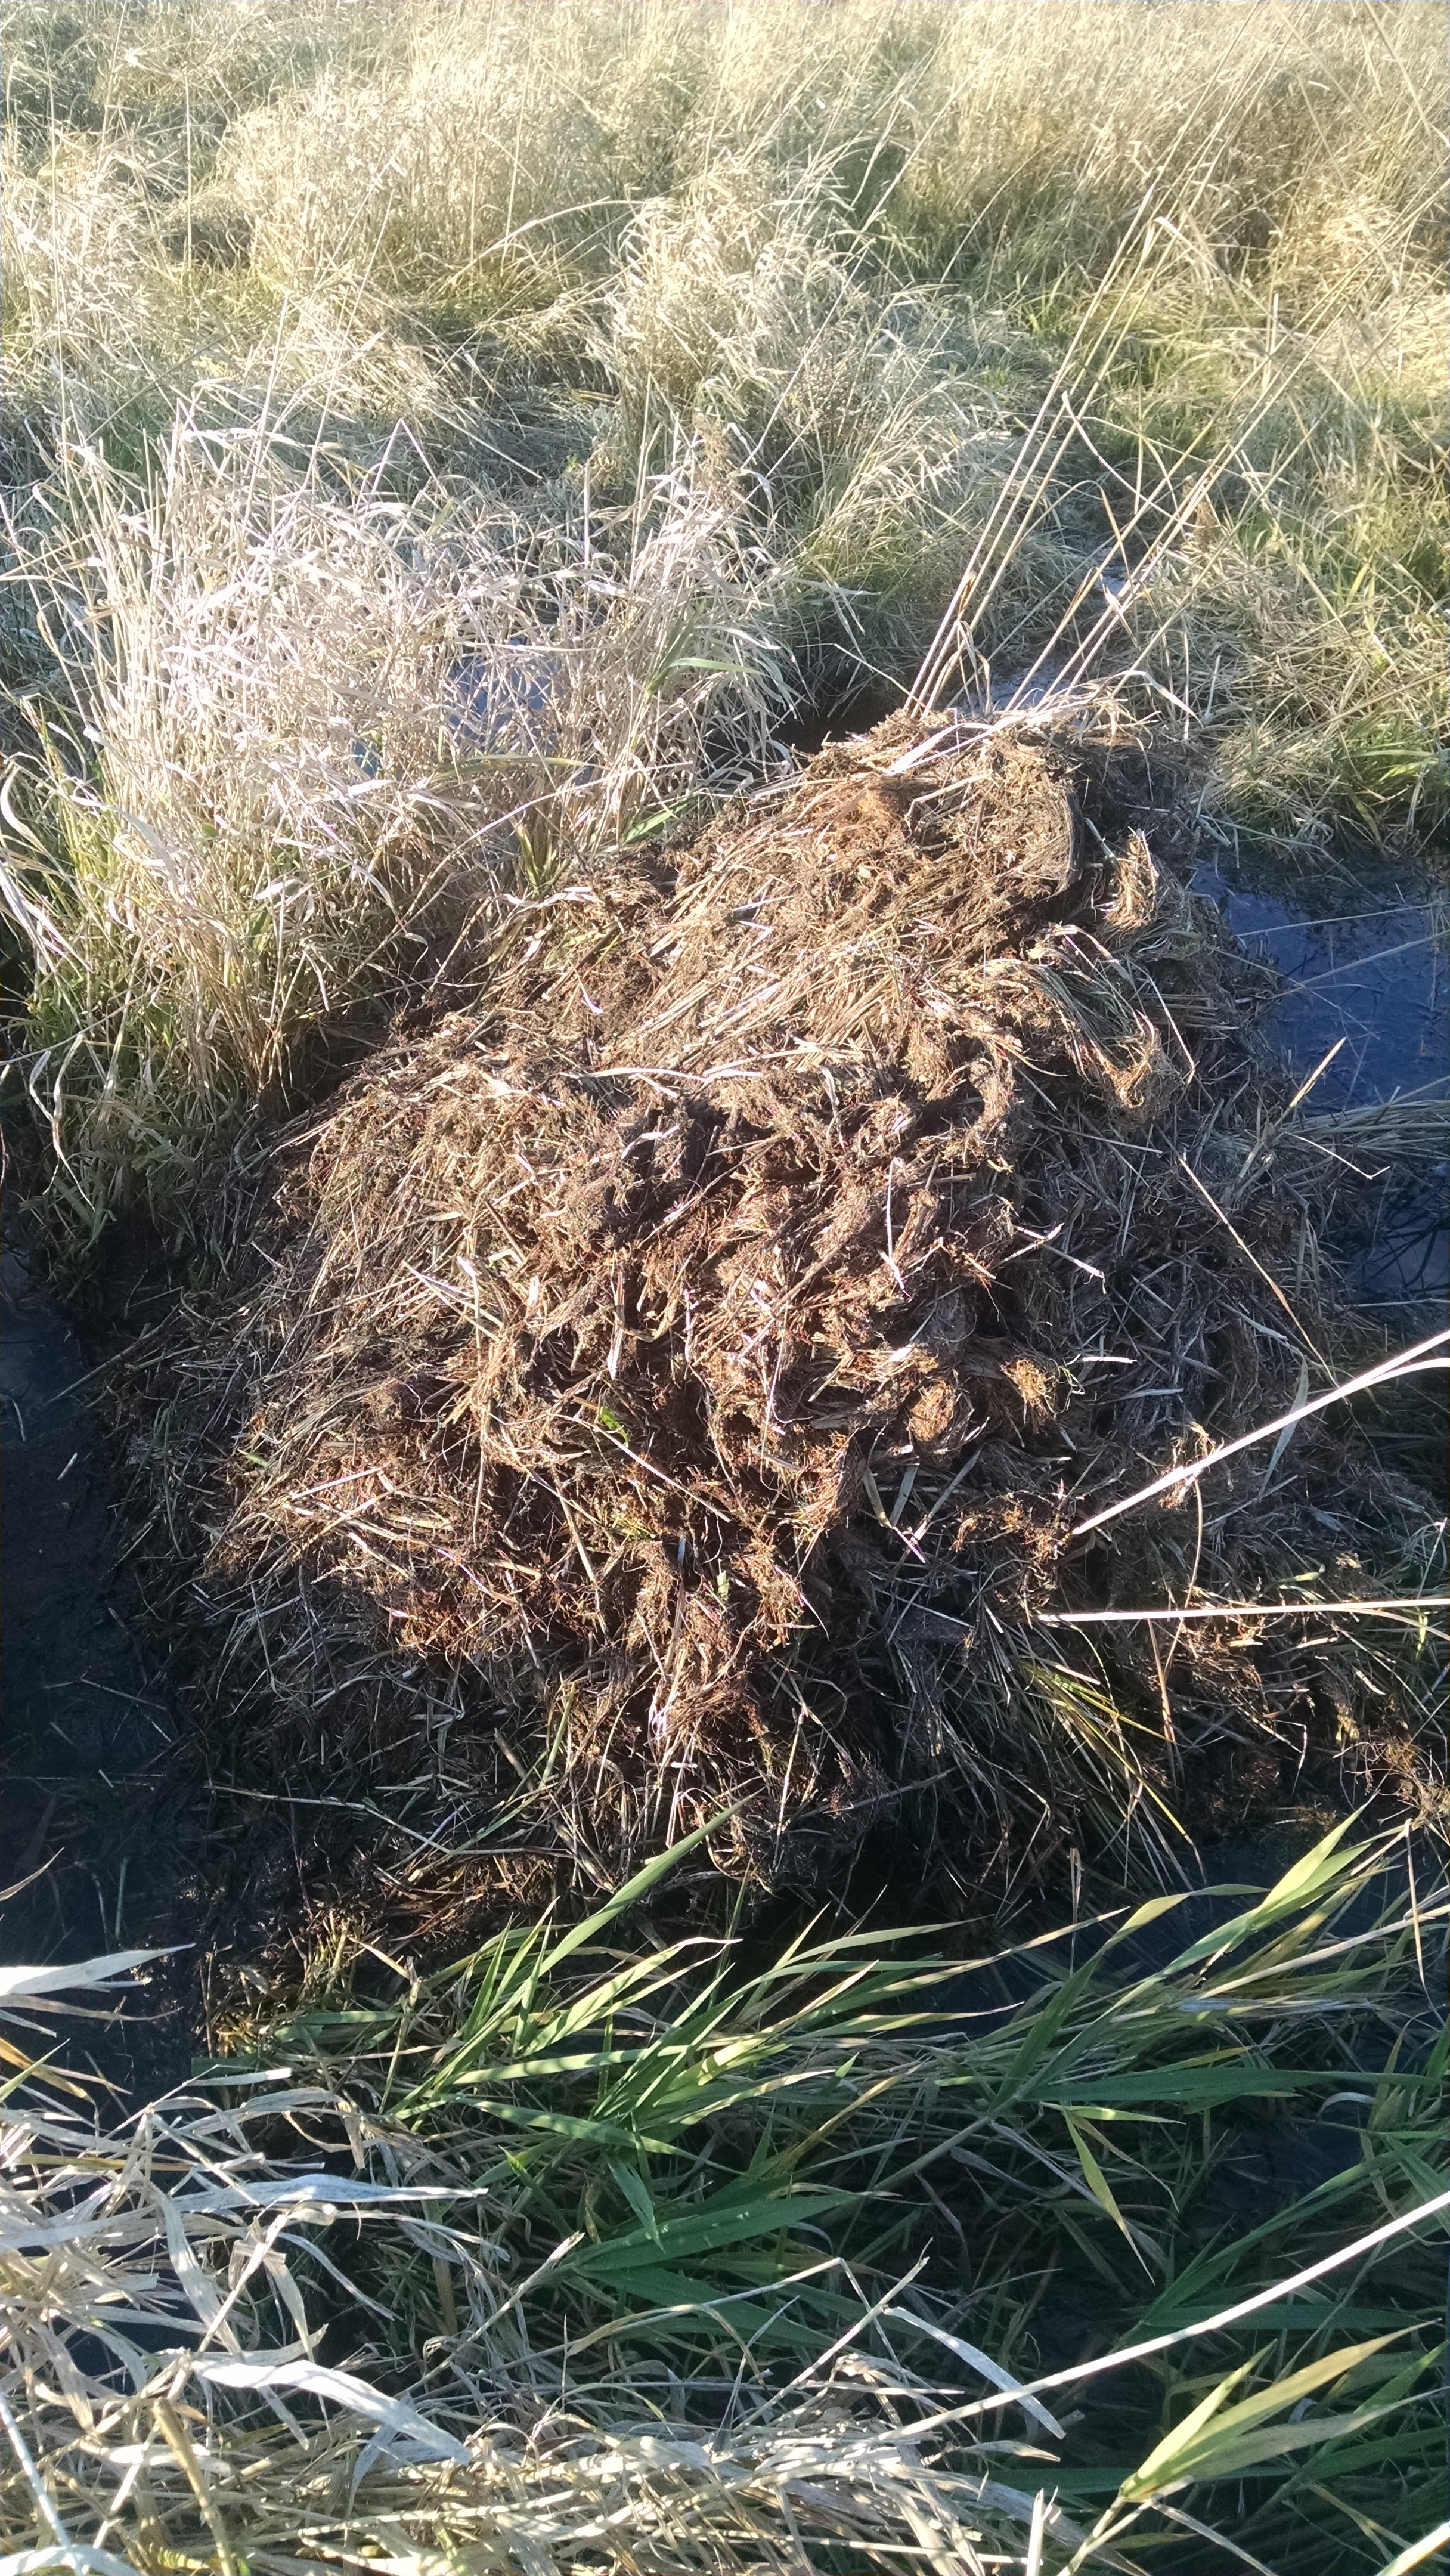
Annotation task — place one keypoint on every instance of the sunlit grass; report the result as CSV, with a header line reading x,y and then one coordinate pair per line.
x,y
776,289
639,2260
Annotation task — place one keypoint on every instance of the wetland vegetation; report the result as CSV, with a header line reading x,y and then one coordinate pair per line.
x,y
649,650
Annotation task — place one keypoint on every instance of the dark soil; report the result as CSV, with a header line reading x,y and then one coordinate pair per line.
x,y
102,1824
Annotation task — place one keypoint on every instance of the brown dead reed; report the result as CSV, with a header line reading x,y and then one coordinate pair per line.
x,y
675,1380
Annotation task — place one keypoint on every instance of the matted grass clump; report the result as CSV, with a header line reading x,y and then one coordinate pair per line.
x,y
696,1359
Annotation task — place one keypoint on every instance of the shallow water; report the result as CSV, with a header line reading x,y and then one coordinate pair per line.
x,y
1369,979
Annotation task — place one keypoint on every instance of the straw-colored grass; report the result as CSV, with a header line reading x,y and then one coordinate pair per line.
x,y
559,2260
437,292
327,726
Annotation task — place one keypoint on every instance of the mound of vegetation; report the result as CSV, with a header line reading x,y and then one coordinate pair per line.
x,y
690,1366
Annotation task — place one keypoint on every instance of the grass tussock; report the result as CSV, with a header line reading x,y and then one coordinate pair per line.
x,y
561,2260
689,1366
329,727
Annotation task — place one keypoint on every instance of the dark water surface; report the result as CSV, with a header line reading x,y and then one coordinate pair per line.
x,y
1368,978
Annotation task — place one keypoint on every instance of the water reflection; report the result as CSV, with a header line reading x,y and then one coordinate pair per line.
x,y
1370,980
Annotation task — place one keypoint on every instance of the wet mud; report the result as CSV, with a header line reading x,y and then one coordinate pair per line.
x,y
102,1821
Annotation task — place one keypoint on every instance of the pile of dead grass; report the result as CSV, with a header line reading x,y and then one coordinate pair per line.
x,y
687,1368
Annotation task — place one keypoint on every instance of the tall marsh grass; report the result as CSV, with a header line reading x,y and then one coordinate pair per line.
x,y
346,345
320,729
